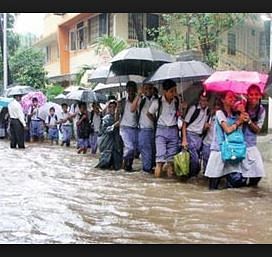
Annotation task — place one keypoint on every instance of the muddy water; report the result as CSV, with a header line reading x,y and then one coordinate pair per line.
x,y
50,194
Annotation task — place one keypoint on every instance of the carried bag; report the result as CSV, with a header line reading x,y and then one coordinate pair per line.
x,y
232,146
182,163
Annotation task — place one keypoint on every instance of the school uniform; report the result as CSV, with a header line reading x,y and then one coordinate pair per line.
x,y
216,167
207,142
67,128
146,135
194,133
83,130
36,124
95,125
129,134
166,137
252,165
53,132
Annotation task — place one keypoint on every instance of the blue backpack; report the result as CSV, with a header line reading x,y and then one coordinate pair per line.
x,y
232,145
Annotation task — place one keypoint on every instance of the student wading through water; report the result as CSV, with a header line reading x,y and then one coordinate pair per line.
x,y
192,131
165,111
146,135
128,126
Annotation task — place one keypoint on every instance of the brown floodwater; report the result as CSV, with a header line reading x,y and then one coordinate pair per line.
x,y
50,194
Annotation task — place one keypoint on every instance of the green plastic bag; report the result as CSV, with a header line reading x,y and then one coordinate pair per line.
x,y
182,163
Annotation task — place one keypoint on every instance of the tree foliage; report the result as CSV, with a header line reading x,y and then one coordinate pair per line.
x,y
13,41
27,67
113,44
52,91
180,31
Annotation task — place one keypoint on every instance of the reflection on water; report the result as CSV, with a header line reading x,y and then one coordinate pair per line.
x,y
50,194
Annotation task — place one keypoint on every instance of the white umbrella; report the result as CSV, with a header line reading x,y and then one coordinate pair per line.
x,y
44,110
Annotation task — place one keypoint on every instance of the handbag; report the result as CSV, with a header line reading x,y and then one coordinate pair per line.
x,y
232,145
182,163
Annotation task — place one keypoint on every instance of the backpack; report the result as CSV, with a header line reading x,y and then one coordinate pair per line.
x,y
122,109
232,145
196,114
49,118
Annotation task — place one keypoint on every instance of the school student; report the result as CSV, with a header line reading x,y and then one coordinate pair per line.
x,y
95,123
52,122
66,124
164,111
146,135
128,126
252,165
192,131
217,168
83,128
36,124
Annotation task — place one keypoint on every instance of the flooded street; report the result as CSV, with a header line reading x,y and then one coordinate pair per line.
x,y
50,194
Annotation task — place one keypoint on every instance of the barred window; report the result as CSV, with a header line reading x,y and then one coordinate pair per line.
x,y
72,40
231,44
152,22
135,25
98,26
262,44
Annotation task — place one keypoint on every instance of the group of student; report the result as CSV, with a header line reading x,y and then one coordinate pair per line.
x,y
150,125
157,127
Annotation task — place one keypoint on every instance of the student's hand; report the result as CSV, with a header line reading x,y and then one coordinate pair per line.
x,y
207,126
140,90
184,143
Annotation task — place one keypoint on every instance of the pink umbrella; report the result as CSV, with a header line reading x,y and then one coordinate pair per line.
x,y
27,100
236,81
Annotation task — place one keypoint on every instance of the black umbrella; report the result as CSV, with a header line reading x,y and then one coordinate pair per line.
x,y
87,96
139,61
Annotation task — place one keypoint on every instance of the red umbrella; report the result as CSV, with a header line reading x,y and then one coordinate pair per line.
x,y
236,81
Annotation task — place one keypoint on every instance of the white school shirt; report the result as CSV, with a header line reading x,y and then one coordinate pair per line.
x,y
168,112
36,113
96,122
64,115
144,121
16,111
129,118
210,134
198,124
53,120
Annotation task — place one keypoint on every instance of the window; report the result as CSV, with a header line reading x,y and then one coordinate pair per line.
x,y
135,26
72,40
47,54
139,23
98,26
262,44
103,24
81,36
152,22
231,44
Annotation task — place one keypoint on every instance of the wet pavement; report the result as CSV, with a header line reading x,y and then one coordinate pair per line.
x,y
50,194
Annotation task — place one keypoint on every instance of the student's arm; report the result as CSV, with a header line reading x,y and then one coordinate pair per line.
x,y
152,110
135,103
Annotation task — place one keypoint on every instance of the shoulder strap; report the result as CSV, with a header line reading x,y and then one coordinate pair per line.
x,y
194,115
91,116
123,105
159,108
142,103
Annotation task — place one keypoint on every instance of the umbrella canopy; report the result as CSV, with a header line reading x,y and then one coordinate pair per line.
x,y
4,101
59,99
139,61
236,81
26,101
182,71
73,88
44,110
101,74
18,90
107,88
87,96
